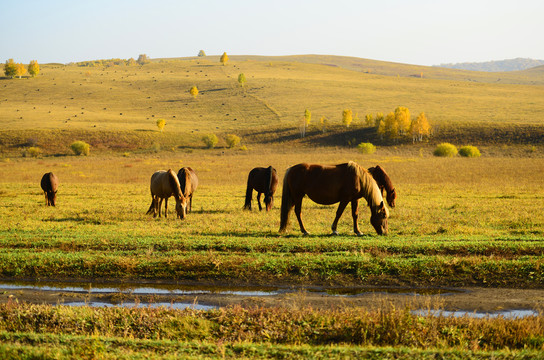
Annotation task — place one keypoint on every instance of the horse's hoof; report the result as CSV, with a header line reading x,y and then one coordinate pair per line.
x,y
334,233
305,233
358,233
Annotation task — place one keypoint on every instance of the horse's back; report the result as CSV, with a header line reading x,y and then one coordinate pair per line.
x,y
49,182
160,184
187,173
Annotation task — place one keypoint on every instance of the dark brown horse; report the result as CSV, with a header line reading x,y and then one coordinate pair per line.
x,y
163,185
264,181
328,185
188,182
50,184
384,183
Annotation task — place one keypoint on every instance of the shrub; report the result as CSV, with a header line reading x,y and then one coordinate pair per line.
x,y
469,151
80,148
32,151
445,150
232,140
366,148
210,140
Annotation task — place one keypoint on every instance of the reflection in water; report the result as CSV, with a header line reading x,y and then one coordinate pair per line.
x,y
507,314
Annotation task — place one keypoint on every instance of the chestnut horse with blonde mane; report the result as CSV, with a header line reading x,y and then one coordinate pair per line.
x,y
384,183
163,185
327,185
264,181
188,182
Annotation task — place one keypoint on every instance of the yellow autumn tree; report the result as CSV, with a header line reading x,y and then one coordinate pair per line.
x,y
20,69
402,118
391,129
33,68
194,91
420,127
224,58
347,117
160,124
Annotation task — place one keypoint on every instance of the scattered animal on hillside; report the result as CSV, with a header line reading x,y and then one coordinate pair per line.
x,y
264,181
328,185
384,183
163,185
188,182
50,184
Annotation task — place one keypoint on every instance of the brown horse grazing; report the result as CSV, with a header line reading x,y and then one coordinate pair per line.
x,y
384,183
263,180
327,185
163,185
188,182
50,184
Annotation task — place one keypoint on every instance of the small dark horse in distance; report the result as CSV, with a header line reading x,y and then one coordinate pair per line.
x,y
188,182
327,185
264,181
163,185
50,184
384,183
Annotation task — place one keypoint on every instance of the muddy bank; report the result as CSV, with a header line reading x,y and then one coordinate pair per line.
x,y
452,299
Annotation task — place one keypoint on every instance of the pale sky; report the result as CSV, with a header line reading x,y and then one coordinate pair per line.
x,y
423,32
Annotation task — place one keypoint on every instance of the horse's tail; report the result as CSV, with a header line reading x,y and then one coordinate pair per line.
x,y
286,203
151,207
249,193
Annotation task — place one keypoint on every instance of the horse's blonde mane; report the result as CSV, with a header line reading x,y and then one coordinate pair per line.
x,y
369,186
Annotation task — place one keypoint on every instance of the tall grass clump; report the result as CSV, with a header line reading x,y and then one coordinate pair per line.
x,y
469,151
366,148
445,150
80,148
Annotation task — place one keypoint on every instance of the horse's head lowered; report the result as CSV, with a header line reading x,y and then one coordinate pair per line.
x,y
391,197
378,219
181,206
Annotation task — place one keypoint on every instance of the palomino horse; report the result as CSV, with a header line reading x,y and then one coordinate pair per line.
x,y
49,185
188,182
384,183
163,185
263,180
327,185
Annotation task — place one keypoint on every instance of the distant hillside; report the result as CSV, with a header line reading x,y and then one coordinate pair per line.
x,y
496,66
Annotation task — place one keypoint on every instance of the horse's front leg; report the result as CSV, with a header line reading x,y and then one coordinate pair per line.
x,y
190,209
355,215
339,212
298,209
259,201
166,208
160,205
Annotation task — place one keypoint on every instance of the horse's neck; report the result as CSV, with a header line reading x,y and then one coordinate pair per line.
x,y
371,191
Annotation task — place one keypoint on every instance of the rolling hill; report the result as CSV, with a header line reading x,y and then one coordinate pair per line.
x,y
116,107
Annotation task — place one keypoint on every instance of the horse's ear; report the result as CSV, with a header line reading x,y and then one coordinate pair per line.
x,y
381,208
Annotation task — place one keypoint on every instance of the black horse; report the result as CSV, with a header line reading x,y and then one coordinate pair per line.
x,y
264,181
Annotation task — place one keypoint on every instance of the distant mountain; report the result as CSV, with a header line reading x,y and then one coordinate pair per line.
x,y
496,66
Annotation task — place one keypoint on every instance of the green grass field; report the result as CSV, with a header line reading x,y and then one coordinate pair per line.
x,y
458,221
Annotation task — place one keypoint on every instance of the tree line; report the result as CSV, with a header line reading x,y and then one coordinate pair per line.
x,y
12,69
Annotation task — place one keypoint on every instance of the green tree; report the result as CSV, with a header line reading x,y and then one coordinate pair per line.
x,y
10,68
142,59
242,79
194,91
33,68
232,140
224,58
160,124
210,140
347,117
201,53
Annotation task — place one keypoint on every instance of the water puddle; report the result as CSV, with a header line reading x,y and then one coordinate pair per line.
x,y
398,291
138,289
172,305
507,314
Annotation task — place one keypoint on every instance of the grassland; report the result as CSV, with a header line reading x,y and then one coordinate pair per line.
x,y
458,222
